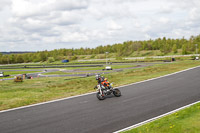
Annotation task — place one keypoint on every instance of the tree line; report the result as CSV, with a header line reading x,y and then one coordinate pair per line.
x,y
165,45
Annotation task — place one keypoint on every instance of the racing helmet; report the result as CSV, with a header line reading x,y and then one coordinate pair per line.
x,y
102,78
97,76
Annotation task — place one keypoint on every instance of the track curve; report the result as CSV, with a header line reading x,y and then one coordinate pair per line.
x,y
86,114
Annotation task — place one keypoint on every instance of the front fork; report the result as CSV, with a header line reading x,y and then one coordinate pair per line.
x,y
100,90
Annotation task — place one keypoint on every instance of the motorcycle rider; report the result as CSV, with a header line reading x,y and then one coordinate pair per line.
x,y
99,78
105,88
103,81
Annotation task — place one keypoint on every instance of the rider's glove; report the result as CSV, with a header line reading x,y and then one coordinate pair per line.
x,y
95,87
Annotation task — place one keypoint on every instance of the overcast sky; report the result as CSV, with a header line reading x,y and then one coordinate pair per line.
x,y
36,25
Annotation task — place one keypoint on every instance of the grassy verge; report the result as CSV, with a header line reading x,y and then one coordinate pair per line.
x,y
69,73
184,121
66,73
88,69
18,72
14,73
45,89
113,67
6,77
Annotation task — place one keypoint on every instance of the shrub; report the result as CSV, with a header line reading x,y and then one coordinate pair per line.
x,y
50,59
119,58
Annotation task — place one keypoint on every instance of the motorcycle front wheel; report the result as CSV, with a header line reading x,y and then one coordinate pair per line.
x,y
117,92
100,97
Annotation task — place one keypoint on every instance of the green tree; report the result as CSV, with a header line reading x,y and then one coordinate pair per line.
x,y
27,57
19,58
4,60
174,49
42,56
184,50
12,58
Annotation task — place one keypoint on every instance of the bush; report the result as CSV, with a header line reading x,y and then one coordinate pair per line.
x,y
82,57
119,58
92,56
101,57
74,57
50,59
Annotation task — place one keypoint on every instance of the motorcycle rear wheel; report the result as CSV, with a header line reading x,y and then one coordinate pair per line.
x,y
100,97
117,92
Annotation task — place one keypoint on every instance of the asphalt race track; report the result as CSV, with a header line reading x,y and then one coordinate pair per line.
x,y
86,114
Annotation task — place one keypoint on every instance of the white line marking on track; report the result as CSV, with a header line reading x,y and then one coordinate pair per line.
x,y
91,92
155,118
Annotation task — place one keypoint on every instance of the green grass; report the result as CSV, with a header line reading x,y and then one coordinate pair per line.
x,y
44,89
86,69
37,90
69,73
143,53
6,77
18,72
113,67
114,55
13,73
55,73
184,121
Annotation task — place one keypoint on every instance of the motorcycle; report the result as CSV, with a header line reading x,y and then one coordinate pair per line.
x,y
106,89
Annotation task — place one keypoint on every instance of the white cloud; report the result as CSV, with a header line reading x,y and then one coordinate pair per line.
x,y
112,25
164,20
24,8
70,4
68,18
4,4
50,24
146,28
74,37
194,13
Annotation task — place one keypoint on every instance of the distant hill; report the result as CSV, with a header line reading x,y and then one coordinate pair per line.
x,y
17,52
